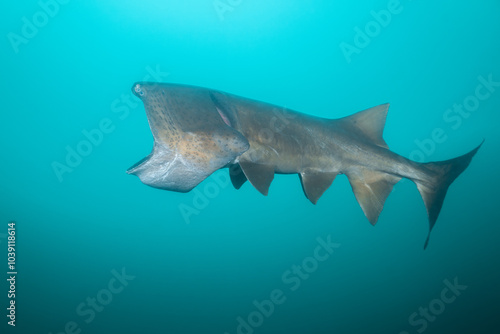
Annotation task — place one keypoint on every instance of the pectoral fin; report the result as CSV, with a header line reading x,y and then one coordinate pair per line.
x,y
260,176
237,176
371,189
315,184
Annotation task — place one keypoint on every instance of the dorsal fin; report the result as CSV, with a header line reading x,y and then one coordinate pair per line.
x,y
370,123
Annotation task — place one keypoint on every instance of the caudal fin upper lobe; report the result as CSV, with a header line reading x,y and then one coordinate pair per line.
x,y
445,172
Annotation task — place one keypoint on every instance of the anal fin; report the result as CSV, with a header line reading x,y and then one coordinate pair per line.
x,y
315,184
259,175
371,189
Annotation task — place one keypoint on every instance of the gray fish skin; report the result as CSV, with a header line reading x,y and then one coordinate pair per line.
x,y
198,131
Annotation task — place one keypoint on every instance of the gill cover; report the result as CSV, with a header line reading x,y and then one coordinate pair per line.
x,y
192,136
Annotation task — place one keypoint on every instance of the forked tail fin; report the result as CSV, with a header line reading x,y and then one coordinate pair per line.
x,y
446,172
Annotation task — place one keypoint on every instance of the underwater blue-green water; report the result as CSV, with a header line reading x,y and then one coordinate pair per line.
x,y
97,251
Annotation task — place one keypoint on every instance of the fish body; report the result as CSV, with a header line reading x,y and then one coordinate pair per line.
x,y
199,130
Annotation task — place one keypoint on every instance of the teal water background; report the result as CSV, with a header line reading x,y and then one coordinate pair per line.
x,y
82,227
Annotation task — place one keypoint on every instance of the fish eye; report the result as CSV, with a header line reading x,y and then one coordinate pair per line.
x,y
138,90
